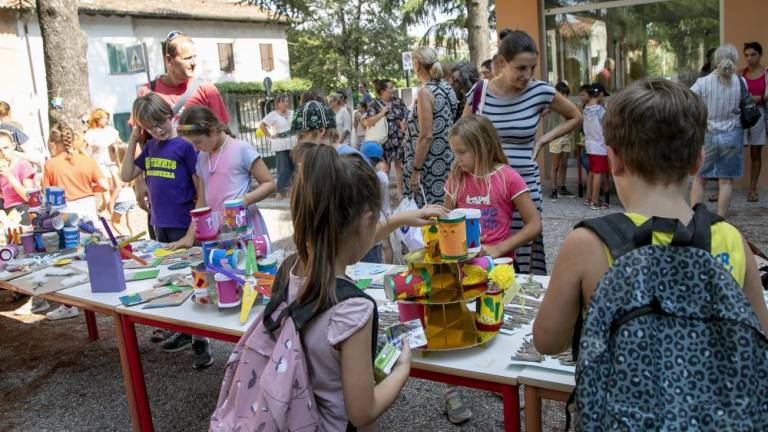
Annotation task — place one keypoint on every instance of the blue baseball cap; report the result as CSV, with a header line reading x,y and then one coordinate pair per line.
x,y
372,151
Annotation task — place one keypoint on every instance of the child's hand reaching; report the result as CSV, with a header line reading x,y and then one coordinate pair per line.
x,y
424,215
184,243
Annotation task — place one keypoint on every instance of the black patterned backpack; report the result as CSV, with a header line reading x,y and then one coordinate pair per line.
x,y
670,341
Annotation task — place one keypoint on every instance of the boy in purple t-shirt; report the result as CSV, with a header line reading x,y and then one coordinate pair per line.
x,y
169,163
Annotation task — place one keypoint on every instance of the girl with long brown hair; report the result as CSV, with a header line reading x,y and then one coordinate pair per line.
x,y
337,198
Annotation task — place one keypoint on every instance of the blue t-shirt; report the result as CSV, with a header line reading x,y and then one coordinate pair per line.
x,y
169,166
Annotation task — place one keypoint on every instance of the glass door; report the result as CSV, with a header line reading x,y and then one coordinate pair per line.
x,y
618,45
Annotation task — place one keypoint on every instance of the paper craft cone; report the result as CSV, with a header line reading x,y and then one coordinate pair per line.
x,y
249,297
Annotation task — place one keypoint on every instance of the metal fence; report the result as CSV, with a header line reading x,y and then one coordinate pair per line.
x,y
246,112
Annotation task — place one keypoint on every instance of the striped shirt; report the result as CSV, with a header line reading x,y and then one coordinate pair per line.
x,y
516,119
722,101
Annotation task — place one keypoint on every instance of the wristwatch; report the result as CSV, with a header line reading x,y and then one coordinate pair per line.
x,y
415,168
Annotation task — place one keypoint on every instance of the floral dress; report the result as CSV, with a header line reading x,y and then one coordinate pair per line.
x,y
395,133
437,163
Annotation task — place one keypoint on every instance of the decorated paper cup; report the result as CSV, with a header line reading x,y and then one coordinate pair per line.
x,y
267,265
34,198
28,243
54,197
453,236
51,241
229,294
71,237
205,224
472,224
235,215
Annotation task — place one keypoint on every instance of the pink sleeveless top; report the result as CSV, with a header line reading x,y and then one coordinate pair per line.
x,y
756,86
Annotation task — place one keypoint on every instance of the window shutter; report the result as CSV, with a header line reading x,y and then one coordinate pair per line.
x,y
267,60
226,57
118,62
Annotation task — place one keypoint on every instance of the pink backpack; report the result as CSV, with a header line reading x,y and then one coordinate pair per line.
x,y
266,380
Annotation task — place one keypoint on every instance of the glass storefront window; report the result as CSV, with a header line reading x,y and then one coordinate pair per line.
x,y
622,44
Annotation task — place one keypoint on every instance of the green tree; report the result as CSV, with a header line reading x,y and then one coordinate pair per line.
x,y
470,20
341,42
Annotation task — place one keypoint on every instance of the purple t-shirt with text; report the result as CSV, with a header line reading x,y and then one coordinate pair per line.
x,y
169,166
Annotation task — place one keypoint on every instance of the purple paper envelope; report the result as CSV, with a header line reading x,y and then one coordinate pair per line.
x,y
105,268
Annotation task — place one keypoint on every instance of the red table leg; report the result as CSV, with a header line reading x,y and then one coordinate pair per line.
x,y
90,322
511,399
137,374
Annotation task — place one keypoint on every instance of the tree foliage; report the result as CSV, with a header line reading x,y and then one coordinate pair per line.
x,y
341,42
449,33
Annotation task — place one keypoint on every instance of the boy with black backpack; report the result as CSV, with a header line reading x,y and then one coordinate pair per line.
x,y
663,304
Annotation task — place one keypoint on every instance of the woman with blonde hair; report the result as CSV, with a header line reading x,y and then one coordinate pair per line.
x,y
99,136
723,141
428,157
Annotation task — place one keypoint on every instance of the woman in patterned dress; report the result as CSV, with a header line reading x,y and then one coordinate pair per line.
x,y
428,157
513,101
391,106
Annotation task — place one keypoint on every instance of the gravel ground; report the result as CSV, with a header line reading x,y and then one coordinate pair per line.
x,y
53,379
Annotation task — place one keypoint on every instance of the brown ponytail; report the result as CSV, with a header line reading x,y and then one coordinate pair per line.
x,y
331,193
198,120
65,137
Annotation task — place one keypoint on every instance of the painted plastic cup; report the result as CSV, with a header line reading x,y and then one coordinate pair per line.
x,y
54,222
205,225
472,224
453,236
8,252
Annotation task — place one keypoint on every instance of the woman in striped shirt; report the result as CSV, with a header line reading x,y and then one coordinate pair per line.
x,y
514,101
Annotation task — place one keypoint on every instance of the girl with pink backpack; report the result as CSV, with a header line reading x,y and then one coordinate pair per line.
x,y
307,362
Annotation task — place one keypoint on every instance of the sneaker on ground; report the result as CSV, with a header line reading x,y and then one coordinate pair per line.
x,y
63,312
457,411
25,309
553,195
177,342
595,206
565,193
203,354
159,335
39,305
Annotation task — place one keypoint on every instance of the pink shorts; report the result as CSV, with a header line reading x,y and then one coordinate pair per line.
x,y
598,164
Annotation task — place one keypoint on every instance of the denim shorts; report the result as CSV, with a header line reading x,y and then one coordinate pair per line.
x,y
124,206
723,155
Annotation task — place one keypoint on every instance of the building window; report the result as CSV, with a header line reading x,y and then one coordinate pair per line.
x,y
118,63
267,60
226,57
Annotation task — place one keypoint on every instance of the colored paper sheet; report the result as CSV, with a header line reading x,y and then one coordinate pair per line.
x,y
249,296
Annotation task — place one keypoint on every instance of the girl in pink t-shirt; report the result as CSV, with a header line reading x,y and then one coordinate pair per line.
x,y
16,176
482,179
